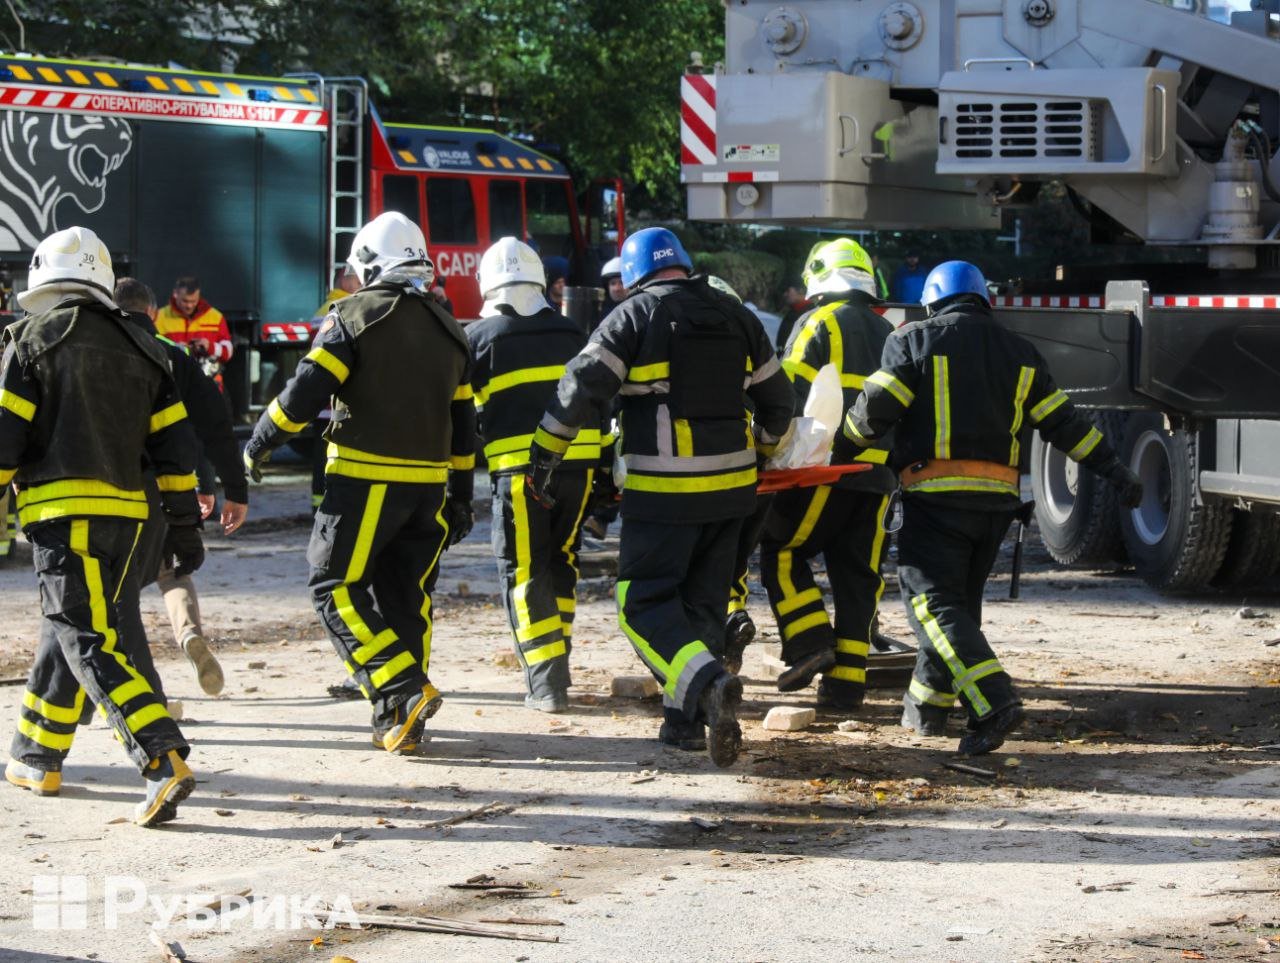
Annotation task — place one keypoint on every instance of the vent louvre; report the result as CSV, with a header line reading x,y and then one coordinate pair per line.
x,y
1025,129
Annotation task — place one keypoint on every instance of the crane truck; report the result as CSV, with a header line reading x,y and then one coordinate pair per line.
x,y
1163,126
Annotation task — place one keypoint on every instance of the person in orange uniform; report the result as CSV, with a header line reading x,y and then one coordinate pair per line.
x,y
193,323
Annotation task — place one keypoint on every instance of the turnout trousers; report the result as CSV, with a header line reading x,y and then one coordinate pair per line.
x,y
847,529
945,554
374,554
81,564
673,591
748,539
537,553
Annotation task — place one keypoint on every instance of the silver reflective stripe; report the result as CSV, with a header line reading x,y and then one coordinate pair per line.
x,y
558,428
769,368
615,364
687,675
645,388
694,464
663,426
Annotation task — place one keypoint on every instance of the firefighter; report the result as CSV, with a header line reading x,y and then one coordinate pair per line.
x,y
347,284
84,394
520,347
397,367
844,522
962,390
684,358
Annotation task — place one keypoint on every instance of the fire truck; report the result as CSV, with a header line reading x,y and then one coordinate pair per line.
x,y
1162,124
257,185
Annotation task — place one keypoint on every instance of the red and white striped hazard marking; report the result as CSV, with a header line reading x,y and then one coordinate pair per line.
x,y
1248,301
287,332
698,119
120,103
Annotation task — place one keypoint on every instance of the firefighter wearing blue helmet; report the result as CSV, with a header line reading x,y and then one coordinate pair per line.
x,y
963,391
684,359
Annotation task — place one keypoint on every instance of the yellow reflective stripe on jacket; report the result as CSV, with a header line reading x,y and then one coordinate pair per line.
x,y
513,379
1025,376
6,475
504,454
962,483
941,407
684,437
353,463
1047,406
877,456
282,420
462,462
658,371
70,497
690,484
20,406
552,443
330,362
463,393
169,416
892,385
1087,444
176,483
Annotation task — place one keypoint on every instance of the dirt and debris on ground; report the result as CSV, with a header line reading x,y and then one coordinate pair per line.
x,y
1134,817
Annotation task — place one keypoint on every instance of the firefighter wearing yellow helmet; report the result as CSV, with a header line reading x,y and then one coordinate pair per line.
x,y
521,346
843,522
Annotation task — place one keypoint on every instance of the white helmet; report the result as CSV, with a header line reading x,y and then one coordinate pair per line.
x,y
388,241
612,269
64,261
509,261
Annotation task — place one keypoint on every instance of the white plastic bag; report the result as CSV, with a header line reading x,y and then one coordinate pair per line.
x,y
813,432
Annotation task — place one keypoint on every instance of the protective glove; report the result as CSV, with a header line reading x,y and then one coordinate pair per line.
x,y
253,463
460,519
1124,480
182,544
843,449
539,476
604,493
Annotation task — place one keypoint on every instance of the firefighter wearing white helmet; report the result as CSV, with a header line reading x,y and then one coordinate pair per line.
x,y
844,522
615,291
74,431
398,478
520,347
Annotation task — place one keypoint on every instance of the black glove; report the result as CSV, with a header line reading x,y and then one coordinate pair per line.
x,y
182,544
539,476
460,519
1123,479
844,451
253,462
604,493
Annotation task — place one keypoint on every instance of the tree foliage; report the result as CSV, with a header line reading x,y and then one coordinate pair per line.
x,y
598,78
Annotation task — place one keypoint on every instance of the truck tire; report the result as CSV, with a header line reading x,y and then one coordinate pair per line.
x,y
1077,513
1253,553
1175,544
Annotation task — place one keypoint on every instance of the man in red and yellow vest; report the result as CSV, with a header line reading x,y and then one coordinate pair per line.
x,y
193,323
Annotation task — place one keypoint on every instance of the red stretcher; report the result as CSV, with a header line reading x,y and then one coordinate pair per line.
x,y
779,479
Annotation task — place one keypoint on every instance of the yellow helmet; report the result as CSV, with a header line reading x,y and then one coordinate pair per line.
x,y
839,265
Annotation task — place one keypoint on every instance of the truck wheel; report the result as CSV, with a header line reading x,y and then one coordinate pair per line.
x,y
1175,544
1077,513
1253,553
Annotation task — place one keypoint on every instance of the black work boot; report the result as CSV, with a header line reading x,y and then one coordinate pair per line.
x,y
718,705
800,674
169,782
989,734
924,719
680,734
739,632
841,694
404,729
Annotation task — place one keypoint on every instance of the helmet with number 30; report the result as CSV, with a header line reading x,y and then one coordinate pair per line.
x,y
75,256
388,241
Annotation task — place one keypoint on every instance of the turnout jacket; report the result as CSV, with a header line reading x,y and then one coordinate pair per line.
x,y
206,322
684,359
847,333
517,362
85,395
962,389
397,368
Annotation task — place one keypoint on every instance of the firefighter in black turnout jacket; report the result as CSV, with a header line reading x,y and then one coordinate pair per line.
x,y
683,357
520,348
397,367
843,522
85,394
962,390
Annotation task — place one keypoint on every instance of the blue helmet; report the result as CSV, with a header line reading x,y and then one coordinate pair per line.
x,y
952,278
650,250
